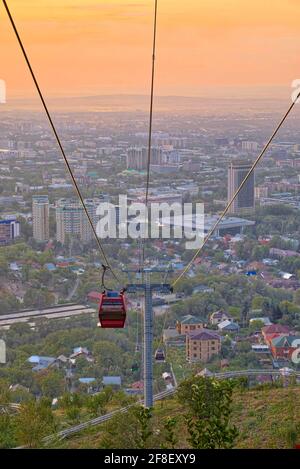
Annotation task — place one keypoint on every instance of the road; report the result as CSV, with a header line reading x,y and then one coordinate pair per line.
x,y
74,290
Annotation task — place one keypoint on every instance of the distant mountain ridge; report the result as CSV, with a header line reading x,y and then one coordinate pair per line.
x,y
140,103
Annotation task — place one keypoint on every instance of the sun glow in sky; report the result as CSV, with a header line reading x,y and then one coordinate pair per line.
x,y
104,46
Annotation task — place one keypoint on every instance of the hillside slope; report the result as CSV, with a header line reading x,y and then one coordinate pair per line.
x,y
266,418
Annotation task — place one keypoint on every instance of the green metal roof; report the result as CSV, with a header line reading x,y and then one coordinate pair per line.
x,y
284,341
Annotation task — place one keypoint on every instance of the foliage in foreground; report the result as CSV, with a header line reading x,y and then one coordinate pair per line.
x,y
208,404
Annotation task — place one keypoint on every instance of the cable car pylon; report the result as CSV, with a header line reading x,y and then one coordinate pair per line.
x,y
148,288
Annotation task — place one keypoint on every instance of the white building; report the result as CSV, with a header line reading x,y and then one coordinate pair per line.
x,y
71,219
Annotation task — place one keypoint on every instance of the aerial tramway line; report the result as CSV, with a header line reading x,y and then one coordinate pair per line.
x,y
112,306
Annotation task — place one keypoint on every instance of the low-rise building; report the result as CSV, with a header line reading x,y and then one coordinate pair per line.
x,y
94,297
218,316
202,345
205,373
265,320
41,363
228,326
114,381
284,346
189,324
81,352
275,330
260,348
9,230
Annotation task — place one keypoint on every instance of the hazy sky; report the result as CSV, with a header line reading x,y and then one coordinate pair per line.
x,y
104,46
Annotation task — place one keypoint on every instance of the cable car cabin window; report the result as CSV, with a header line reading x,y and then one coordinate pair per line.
x,y
112,301
160,356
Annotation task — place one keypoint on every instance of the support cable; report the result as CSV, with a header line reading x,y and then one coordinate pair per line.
x,y
101,249
150,129
208,236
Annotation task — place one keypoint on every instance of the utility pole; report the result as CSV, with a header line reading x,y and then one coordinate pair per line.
x,y
148,288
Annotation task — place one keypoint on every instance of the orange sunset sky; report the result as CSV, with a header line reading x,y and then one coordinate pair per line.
x,y
104,46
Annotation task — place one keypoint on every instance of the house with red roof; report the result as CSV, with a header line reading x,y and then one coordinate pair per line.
x,y
94,296
275,330
284,346
138,385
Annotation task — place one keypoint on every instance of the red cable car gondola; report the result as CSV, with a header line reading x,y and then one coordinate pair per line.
x,y
112,310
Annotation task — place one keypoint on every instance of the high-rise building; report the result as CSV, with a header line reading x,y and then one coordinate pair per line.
x,y
244,202
137,157
40,217
261,192
71,219
249,145
9,230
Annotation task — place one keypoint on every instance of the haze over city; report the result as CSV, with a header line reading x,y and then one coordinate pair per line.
x,y
114,336
99,47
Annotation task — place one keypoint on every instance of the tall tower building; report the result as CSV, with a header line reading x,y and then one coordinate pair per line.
x,y
245,201
40,217
71,219
137,157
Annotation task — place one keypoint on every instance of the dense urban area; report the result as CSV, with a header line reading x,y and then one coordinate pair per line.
x,y
236,309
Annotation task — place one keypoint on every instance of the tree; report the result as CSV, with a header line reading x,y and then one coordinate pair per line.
x,y
7,431
143,416
287,307
258,301
245,310
51,383
3,267
259,252
97,404
73,413
34,421
139,420
276,313
208,404
297,297
256,325
44,276
219,256
8,302
169,427
37,298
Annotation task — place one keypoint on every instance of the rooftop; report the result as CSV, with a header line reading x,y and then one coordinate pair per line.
x,y
286,341
113,380
86,380
204,335
191,320
192,222
219,314
228,325
276,329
